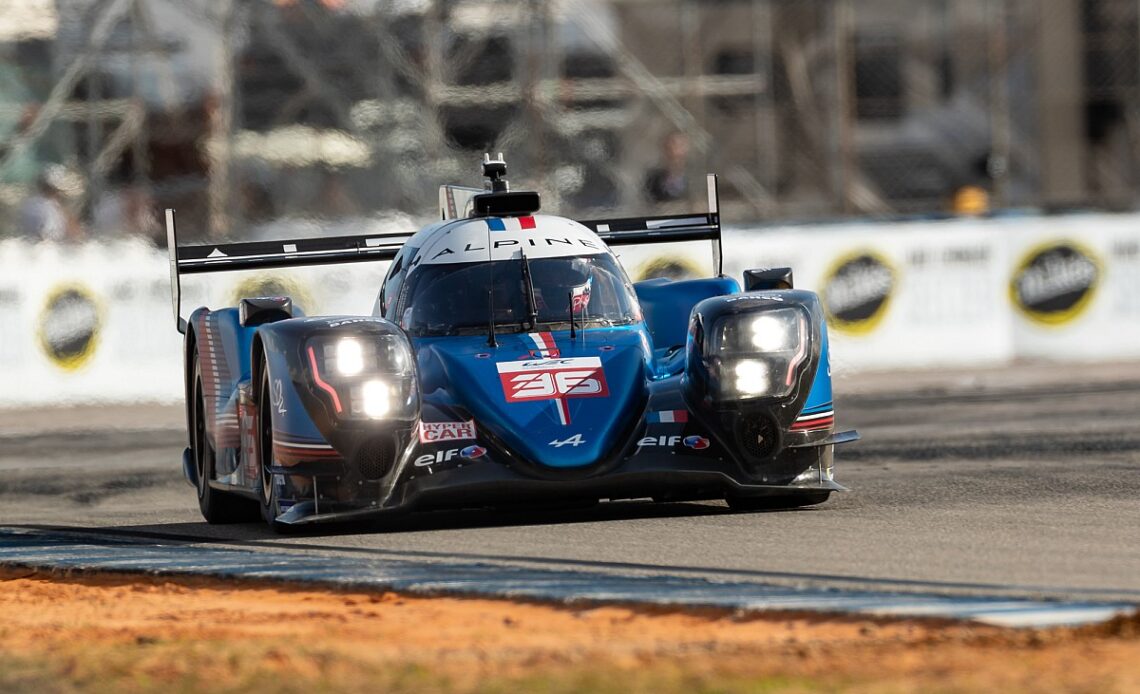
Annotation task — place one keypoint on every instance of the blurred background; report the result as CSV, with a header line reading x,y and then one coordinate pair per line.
x,y
958,179
246,114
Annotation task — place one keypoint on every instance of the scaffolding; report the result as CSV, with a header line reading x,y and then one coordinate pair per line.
x,y
327,110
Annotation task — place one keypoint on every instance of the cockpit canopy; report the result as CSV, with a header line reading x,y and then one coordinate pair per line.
x,y
457,299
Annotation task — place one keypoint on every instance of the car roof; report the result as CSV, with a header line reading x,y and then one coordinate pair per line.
x,y
466,240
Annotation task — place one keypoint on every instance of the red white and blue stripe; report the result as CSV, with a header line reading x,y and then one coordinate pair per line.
x,y
542,345
815,420
510,223
668,417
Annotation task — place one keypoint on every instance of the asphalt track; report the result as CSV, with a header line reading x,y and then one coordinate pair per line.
x,y
1017,483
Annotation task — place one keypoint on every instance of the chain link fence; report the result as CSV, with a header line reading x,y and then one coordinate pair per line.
x,y
283,117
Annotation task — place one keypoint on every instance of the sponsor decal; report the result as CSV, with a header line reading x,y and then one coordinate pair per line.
x,y
1055,282
668,417
437,432
557,379
857,291
473,452
580,297
69,326
468,453
696,442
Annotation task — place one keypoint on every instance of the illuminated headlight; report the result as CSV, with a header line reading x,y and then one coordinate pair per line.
x,y
771,333
759,354
373,399
752,377
349,358
364,377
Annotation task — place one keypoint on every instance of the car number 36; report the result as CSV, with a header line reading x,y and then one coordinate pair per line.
x,y
548,384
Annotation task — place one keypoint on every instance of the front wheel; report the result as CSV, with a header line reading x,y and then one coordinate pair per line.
x,y
270,483
218,507
776,503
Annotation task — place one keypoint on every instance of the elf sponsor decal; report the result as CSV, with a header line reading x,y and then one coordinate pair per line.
x,y
437,432
69,326
857,291
536,380
468,453
1055,282
695,441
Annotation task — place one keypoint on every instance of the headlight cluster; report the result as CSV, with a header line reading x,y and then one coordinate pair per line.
x,y
758,353
364,377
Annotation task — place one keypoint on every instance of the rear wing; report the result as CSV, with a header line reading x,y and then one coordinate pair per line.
x,y
667,229
260,255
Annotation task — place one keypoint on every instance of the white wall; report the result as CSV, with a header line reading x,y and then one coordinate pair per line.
x,y
93,323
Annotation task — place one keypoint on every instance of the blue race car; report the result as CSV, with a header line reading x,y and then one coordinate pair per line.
x,y
508,360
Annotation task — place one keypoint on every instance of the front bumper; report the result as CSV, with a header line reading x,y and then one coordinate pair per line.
x,y
663,476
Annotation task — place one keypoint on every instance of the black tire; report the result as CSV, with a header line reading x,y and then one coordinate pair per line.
x,y
218,507
269,506
776,503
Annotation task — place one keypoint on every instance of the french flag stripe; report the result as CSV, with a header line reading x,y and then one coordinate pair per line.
x,y
510,223
669,416
820,415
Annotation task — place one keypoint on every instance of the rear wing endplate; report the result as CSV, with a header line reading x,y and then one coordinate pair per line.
x,y
260,255
668,229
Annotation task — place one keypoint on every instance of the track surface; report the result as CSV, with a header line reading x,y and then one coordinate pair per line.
x,y
1016,482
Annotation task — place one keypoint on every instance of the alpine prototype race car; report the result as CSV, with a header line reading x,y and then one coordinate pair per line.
x,y
508,360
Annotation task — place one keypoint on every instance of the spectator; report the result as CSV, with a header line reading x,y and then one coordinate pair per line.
x,y
668,181
43,216
128,210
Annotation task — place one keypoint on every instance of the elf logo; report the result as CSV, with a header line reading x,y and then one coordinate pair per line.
x,y
695,442
468,453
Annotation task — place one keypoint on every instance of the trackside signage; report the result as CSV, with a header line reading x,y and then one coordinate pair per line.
x,y
91,323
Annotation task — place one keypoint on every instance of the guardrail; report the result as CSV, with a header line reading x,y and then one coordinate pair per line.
x,y
91,323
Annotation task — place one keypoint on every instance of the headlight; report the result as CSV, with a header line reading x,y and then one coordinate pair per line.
x,y
758,354
349,358
373,399
364,377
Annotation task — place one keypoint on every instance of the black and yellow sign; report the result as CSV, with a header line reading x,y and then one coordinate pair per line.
x,y
1055,282
857,291
272,285
69,326
674,267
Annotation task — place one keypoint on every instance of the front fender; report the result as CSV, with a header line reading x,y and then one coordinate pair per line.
x,y
307,404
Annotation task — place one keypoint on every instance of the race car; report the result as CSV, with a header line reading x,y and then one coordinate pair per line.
x,y
508,360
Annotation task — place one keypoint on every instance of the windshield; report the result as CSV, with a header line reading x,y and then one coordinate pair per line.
x,y
453,299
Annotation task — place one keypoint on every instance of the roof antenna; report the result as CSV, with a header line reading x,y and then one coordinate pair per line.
x,y
489,168
495,170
